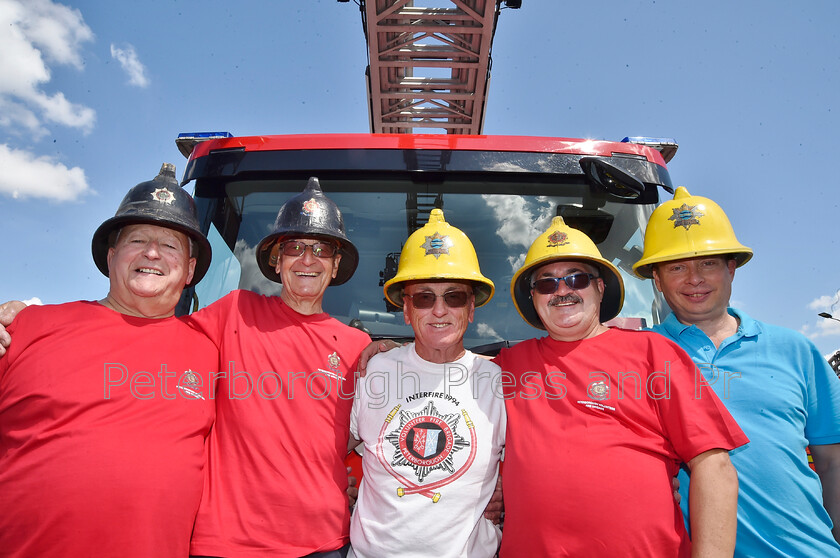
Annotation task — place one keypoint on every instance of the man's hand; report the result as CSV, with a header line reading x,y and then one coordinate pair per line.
x,y
371,350
675,484
352,489
496,505
8,311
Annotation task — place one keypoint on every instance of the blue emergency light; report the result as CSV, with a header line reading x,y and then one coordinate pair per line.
x,y
187,141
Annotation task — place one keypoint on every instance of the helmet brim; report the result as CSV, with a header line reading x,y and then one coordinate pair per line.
x,y
644,267
100,244
611,303
483,288
346,267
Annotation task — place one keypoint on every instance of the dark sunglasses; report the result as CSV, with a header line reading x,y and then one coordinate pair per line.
x,y
549,285
426,299
319,249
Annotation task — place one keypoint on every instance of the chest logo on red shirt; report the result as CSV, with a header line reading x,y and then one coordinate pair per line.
x,y
335,361
425,441
599,390
190,385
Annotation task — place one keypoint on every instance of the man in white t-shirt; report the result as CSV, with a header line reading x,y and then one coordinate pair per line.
x,y
430,414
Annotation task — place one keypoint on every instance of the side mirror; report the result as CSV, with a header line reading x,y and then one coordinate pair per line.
x,y
608,178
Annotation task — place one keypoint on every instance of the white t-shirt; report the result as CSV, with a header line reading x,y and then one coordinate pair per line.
x,y
433,436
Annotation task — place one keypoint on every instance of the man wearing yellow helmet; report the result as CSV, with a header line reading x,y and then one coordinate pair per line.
x,y
773,380
429,413
600,419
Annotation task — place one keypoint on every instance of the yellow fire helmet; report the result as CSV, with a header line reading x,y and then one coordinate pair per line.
x,y
561,242
688,227
438,251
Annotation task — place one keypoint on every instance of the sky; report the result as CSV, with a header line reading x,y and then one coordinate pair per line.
x,y
93,95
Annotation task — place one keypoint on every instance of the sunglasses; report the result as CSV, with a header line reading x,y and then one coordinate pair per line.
x,y
575,281
426,299
319,249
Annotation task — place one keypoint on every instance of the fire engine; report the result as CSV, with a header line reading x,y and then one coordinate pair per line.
x,y
428,69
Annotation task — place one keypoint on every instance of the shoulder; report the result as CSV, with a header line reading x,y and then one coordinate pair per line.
x,y
385,361
348,334
780,333
482,364
44,317
646,344
235,303
652,337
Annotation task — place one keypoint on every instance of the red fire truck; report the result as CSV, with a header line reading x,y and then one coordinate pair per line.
x,y
502,191
428,68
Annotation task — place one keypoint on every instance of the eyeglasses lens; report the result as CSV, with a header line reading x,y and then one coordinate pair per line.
x,y
549,285
425,300
319,249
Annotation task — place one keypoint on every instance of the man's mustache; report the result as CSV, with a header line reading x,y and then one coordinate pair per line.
x,y
564,299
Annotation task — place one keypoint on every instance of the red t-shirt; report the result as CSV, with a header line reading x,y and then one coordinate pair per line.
x,y
103,419
596,430
277,477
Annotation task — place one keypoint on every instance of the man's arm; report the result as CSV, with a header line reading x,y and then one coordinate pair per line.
x,y
8,311
713,504
827,464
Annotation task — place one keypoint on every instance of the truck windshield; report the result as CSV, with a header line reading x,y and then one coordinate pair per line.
x,y
501,219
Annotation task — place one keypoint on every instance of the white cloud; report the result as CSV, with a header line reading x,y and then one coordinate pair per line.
x,y
127,57
824,303
486,330
34,33
824,327
27,175
34,301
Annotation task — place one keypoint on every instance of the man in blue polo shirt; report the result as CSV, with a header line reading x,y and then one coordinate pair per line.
x,y
773,381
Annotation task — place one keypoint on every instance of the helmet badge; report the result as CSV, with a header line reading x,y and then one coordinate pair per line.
x,y
163,195
311,207
437,244
685,216
558,238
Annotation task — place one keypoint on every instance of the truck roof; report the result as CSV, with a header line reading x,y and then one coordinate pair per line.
x,y
533,144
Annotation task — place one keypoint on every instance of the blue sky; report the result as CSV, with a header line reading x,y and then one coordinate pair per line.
x,y
93,95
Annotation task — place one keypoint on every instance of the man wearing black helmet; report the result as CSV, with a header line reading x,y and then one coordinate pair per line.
x,y
105,406
277,482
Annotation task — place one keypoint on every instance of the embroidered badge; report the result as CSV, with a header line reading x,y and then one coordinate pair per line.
x,y
599,390
163,195
436,245
335,361
558,238
190,385
685,216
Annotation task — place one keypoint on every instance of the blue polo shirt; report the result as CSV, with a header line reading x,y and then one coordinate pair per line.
x,y
785,396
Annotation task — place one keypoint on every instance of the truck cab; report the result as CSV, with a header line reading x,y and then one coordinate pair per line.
x,y
502,191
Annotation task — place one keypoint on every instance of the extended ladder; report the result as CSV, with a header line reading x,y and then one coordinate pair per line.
x,y
429,67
